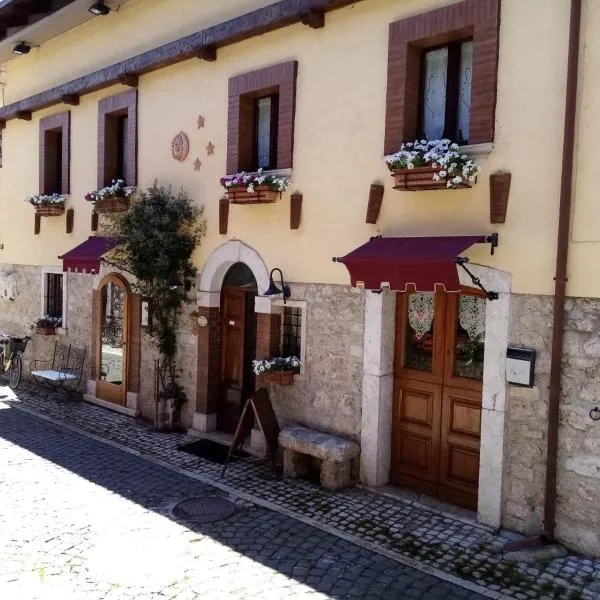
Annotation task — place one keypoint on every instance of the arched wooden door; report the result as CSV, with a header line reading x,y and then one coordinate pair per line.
x,y
112,339
438,380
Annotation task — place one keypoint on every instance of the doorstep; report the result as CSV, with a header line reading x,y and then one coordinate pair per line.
x,y
226,439
130,412
457,513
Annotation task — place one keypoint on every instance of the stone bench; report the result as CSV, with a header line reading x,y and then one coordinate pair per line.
x,y
335,454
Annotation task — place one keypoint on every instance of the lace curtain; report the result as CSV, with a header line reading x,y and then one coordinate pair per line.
x,y
421,309
472,315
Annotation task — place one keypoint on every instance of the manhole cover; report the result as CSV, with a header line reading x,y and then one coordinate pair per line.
x,y
204,509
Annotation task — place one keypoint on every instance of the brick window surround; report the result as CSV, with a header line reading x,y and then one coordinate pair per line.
x,y
50,163
476,19
243,90
109,111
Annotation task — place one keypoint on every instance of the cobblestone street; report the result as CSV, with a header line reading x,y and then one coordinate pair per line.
x,y
83,520
93,517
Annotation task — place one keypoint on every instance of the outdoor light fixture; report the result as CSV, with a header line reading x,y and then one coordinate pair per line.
x,y
21,48
99,8
274,290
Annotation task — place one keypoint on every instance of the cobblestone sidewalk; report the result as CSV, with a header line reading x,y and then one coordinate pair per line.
x,y
82,520
401,529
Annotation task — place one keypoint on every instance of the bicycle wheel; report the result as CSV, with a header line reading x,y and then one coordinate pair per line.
x,y
14,371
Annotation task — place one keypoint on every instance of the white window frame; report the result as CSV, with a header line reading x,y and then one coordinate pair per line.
x,y
44,291
302,304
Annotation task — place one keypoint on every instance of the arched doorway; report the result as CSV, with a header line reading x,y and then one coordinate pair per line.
x,y
112,339
238,344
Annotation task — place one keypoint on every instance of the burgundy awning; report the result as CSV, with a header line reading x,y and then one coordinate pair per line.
x,y
85,258
400,262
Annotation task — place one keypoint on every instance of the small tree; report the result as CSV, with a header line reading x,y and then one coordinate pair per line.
x,y
160,232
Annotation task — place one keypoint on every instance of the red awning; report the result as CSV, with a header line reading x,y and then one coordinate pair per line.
x,y
399,262
85,258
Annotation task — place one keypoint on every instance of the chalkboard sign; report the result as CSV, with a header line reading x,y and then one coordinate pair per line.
x,y
261,408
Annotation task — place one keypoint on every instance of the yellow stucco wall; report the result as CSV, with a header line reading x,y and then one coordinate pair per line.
x,y
339,129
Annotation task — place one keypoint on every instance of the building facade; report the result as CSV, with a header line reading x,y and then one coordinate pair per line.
x,y
321,91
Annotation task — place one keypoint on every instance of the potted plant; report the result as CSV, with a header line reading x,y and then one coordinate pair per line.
x,y
47,325
254,188
111,199
431,165
48,205
277,370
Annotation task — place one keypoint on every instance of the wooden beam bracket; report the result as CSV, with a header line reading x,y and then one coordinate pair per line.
x,y
70,219
314,18
295,210
24,115
375,201
499,192
71,99
208,53
223,215
129,79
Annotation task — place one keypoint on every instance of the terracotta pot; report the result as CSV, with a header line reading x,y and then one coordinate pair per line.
x,y
279,377
45,329
261,195
50,210
111,205
420,178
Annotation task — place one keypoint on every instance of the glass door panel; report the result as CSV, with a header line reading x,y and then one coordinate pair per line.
x,y
112,339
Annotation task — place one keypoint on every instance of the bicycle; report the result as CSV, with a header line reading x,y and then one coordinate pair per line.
x,y
11,357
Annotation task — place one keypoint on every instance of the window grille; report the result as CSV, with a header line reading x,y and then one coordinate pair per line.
x,y
291,336
54,295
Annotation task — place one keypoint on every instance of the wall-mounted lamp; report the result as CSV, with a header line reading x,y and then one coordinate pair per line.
x,y
274,290
99,9
21,48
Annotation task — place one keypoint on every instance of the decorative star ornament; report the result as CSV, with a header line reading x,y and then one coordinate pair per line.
x,y
200,121
197,164
210,149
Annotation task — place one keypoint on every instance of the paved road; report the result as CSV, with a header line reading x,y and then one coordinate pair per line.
x,y
83,520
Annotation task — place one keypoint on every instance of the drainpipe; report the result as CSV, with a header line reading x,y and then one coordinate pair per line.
x,y
560,280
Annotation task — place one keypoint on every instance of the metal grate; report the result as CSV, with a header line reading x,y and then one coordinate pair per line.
x,y
54,295
291,334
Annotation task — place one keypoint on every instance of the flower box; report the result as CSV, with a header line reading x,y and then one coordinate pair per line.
x,y
431,165
50,210
279,377
111,205
111,199
262,194
422,178
254,188
45,329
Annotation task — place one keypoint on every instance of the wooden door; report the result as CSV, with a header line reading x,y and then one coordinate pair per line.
x,y
112,335
437,394
231,388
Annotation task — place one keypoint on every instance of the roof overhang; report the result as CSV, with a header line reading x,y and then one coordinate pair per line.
x,y
38,21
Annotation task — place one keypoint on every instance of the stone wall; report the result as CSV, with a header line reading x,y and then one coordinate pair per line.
x,y
328,395
187,352
27,306
578,518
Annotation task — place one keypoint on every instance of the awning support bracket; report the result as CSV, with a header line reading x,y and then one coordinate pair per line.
x,y
493,240
460,261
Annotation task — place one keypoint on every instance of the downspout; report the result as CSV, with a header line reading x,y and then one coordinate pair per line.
x,y
560,280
